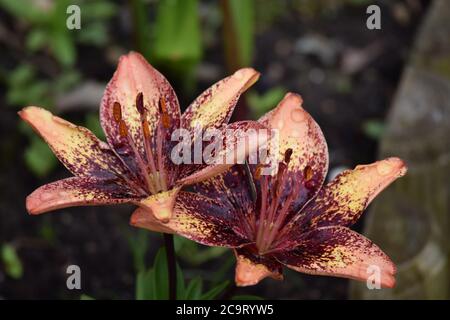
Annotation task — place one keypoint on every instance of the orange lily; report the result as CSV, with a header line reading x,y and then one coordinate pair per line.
x,y
288,218
139,111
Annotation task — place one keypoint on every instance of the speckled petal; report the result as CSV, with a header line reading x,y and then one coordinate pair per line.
x,y
343,200
214,107
135,75
339,252
76,147
298,131
198,218
161,204
77,191
232,188
239,140
251,268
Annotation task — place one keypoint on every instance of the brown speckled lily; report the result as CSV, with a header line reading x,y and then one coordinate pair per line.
x,y
139,111
288,218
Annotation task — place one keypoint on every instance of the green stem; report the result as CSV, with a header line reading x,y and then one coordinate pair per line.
x,y
171,265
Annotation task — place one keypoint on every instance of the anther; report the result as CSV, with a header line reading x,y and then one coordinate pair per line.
x,y
146,128
123,130
307,173
117,112
140,103
287,155
164,114
258,171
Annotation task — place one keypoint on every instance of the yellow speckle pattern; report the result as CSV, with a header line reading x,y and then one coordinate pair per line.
x,y
76,147
214,106
342,201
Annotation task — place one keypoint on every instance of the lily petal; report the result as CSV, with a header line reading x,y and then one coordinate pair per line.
x,y
232,188
76,147
76,191
240,139
161,204
343,200
251,268
339,252
298,132
214,106
197,218
134,75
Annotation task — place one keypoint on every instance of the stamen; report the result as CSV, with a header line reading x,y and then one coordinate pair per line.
x,y
248,173
269,222
283,213
258,170
140,103
307,173
147,141
117,112
165,118
287,155
162,175
124,133
123,129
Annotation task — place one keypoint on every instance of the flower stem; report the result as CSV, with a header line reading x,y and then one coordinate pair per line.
x,y
171,265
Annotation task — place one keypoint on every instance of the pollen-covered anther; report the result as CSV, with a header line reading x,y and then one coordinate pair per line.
x,y
117,112
165,118
146,128
123,129
307,173
258,171
287,155
140,103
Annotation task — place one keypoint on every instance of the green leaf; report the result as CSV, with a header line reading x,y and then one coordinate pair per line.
x,y
61,38
94,34
193,253
139,245
11,260
92,122
97,10
177,32
154,283
39,158
66,80
145,286
86,297
160,276
21,75
25,10
63,48
243,20
374,129
36,39
181,290
214,292
246,297
261,103
194,289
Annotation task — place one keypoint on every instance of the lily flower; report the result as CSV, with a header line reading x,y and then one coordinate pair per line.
x,y
288,218
138,113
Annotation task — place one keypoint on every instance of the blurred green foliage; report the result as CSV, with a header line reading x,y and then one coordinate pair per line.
x,y
238,24
11,261
48,28
191,252
374,128
261,103
153,284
